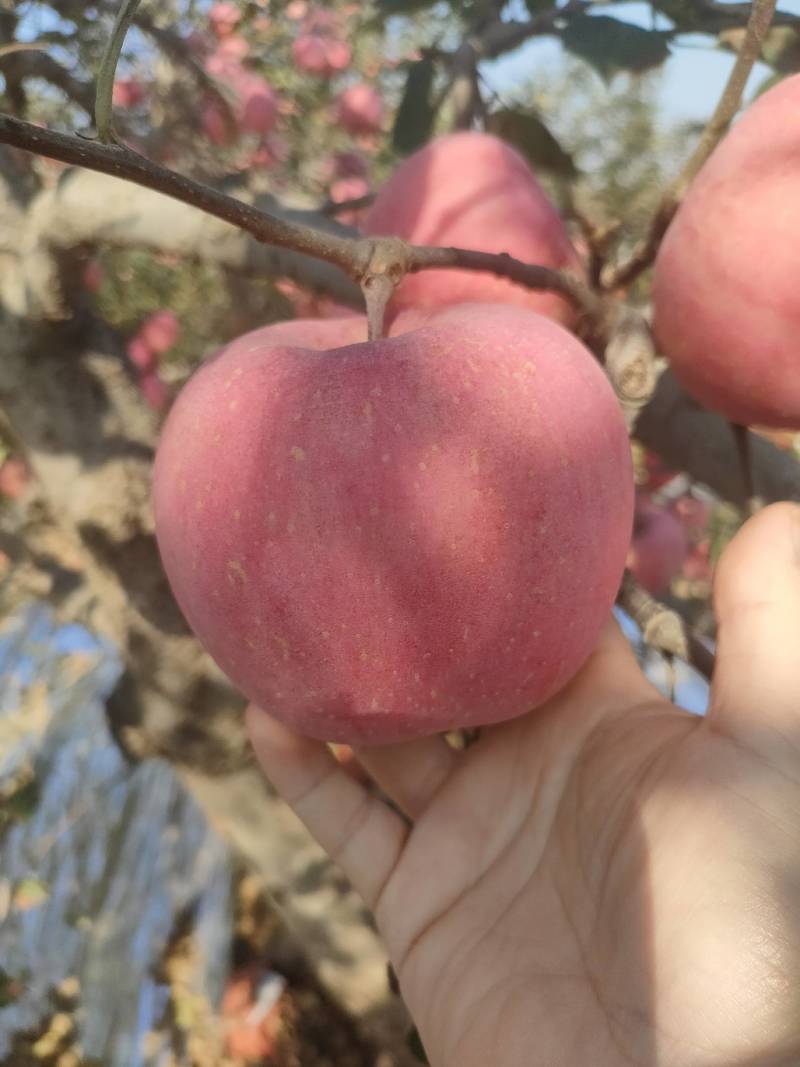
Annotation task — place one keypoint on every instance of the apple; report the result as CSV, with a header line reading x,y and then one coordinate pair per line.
x,y
726,287
141,354
215,123
234,48
128,92
160,331
154,390
321,54
359,109
658,549
259,106
473,191
697,565
14,477
350,165
398,537
224,18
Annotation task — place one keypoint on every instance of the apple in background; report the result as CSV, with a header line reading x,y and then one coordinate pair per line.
x,y
154,390
128,92
350,165
473,191
658,549
726,286
316,53
141,354
259,106
399,537
233,48
693,513
359,109
15,476
697,565
160,331
215,123
224,18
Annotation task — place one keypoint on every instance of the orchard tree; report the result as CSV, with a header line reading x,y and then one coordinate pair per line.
x,y
173,176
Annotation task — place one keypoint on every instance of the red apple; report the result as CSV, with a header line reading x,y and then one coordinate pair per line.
x,y
317,53
216,125
141,354
658,549
359,109
128,92
726,289
398,537
697,565
259,106
160,331
154,390
14,477
233,48
350,165
224,18
472,190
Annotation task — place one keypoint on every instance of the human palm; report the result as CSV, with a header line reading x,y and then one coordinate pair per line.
x,y
608,880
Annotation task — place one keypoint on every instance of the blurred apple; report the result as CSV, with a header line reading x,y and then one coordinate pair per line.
x,y
658,549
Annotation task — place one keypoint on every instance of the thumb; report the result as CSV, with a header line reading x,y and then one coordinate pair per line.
x,y
756,685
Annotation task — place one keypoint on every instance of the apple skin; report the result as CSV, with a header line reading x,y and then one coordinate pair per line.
x,y
472,190
401,537
659,547
726,287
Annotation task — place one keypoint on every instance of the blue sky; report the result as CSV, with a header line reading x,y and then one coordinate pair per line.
x,y
693,76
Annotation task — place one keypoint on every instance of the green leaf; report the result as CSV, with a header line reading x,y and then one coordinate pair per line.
x,y
414,119
527,133
415,1045
610,45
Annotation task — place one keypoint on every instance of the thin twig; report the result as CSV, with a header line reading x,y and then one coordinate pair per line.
x,y
761,14
338,207
527,274
103,103
662,628
360,258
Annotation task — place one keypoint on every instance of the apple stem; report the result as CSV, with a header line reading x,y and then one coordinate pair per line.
x,y
377,290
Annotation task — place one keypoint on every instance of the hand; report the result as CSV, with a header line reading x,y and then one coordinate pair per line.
x,y
608,880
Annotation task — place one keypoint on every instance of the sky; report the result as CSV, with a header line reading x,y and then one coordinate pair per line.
x,y
694,75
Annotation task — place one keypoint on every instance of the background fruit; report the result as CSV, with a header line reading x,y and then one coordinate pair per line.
x,y
726,291
473,191
659,547
403,536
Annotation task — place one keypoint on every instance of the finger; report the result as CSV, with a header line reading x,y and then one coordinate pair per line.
x,y
357,830
410,773
756,685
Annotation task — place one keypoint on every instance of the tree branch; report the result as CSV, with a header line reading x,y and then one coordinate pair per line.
x,y
689,438
761,15
362,259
